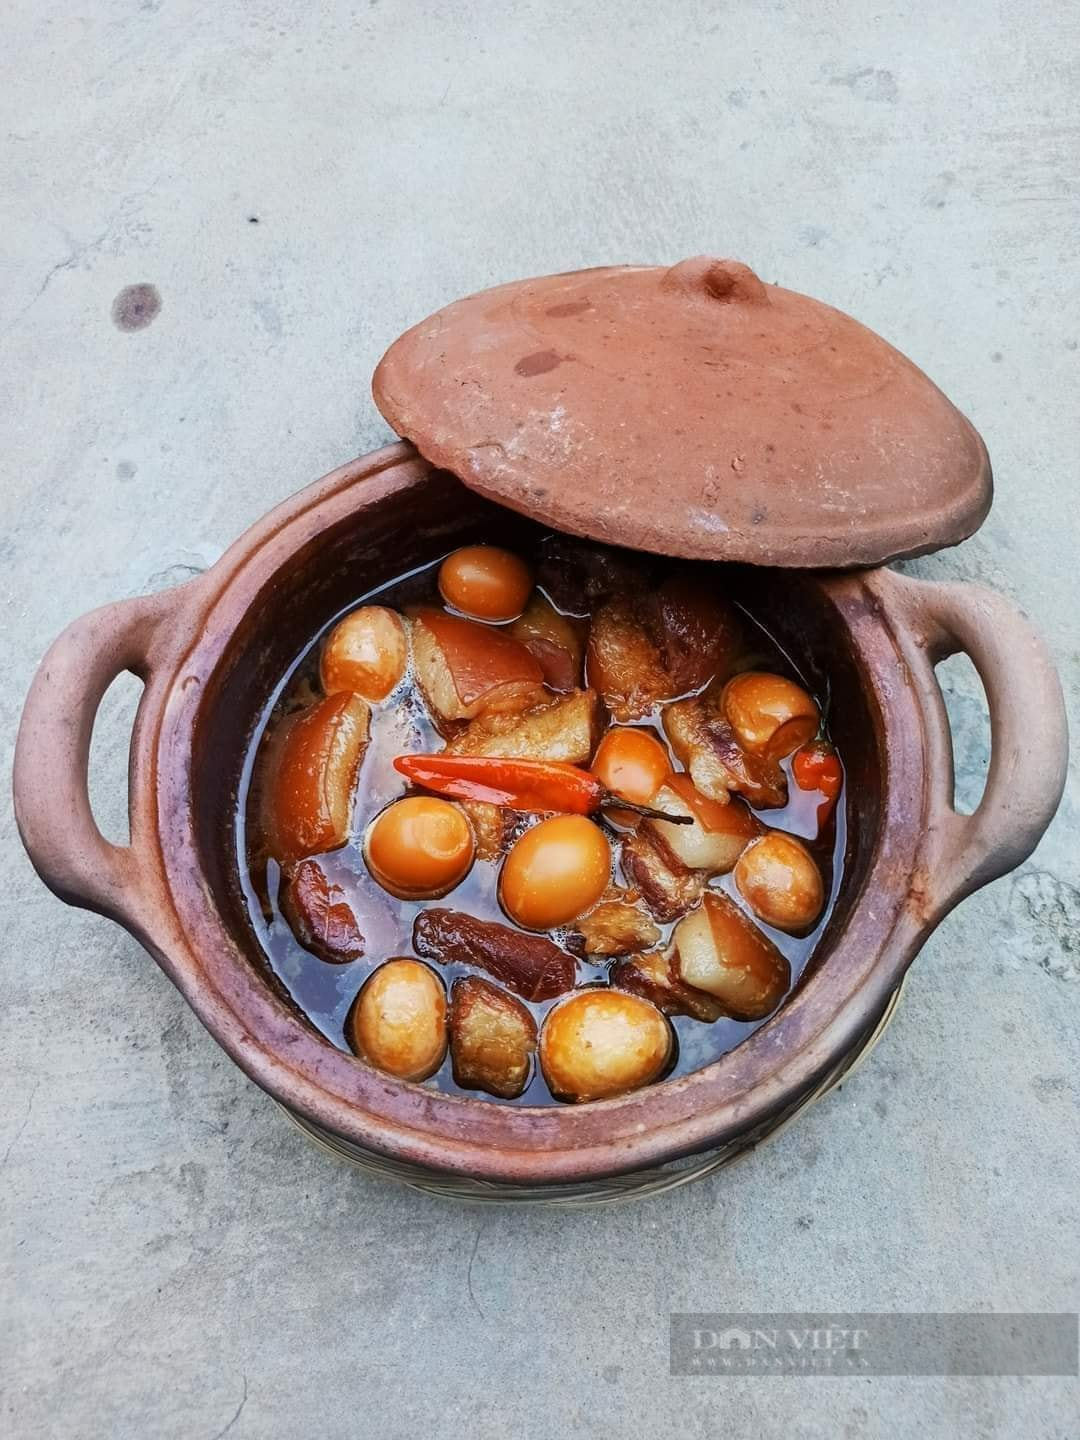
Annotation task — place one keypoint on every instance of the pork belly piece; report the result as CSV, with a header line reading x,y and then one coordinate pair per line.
x,y
624,662
669,863
668,888
492,825
645,649
699,635
565,729
718,949
618,925
578,574
651,976
464,668
556,641
319,914
492,1038
718,833
531,965
312,763
705,743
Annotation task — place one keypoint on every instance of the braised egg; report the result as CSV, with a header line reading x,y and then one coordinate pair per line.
x,y
485,583
555,872
632,764
601,1043
770,715
780,881
420,847
365,653
398,1021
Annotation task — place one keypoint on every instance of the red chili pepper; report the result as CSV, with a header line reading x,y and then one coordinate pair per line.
x,y
817,767
515,784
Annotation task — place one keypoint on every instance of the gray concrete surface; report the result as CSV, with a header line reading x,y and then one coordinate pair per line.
x,y
176,1262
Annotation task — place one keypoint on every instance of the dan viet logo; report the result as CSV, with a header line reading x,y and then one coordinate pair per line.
x,y
975,1343
737,1349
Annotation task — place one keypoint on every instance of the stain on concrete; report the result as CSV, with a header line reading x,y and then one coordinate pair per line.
x,y
269,317
172,575
1050,909
869,84
1052,1087
177,1063
937,193
136,307
191,1183
813,235
810,1153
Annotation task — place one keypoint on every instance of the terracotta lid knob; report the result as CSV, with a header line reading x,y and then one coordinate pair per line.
x,y
728,281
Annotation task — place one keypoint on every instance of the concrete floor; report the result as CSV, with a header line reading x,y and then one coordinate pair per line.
x,y
176,1261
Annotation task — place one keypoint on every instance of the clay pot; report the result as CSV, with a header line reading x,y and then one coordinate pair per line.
x,y
211,650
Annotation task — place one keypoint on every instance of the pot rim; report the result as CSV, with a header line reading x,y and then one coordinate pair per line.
x,y
289,1058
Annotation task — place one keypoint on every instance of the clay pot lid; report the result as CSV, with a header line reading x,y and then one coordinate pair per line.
x,y
693,411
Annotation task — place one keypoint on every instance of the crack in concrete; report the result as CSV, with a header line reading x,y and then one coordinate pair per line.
x,y
236,1416
25,1121
468,1277
68,264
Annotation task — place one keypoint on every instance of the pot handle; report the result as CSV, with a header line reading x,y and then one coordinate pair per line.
x,y
52,752
1028,732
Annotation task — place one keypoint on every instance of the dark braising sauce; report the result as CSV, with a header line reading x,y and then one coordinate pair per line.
x,y
401,724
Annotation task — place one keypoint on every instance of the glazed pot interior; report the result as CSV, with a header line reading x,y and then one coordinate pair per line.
x,y
410,528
